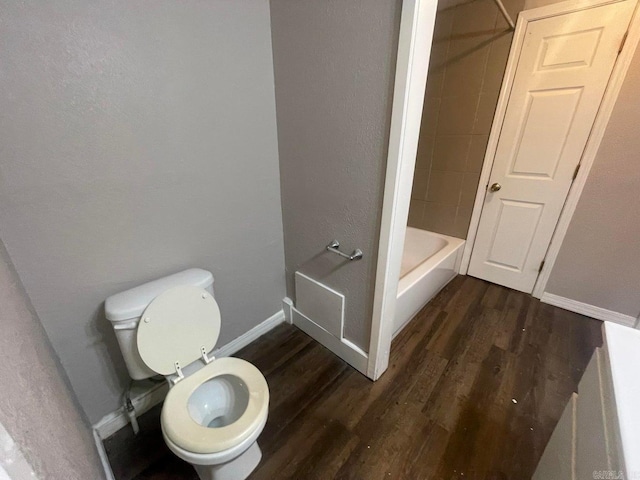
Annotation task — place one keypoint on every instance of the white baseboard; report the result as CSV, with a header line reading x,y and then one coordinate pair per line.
x,y
102,453
114,421
343,348
287,307
588,310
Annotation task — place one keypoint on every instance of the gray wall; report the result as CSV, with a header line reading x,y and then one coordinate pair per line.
x,y
334,67
599,262
468,59
36,406
137,139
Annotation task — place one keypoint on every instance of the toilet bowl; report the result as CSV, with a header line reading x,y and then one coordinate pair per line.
x,y
213,417
215,408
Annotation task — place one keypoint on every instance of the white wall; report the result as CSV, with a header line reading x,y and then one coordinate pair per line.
x,y
137,139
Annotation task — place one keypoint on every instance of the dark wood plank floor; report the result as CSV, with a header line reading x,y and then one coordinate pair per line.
x,y
475,386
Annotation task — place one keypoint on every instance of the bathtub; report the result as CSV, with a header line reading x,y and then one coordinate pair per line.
x,y
429,262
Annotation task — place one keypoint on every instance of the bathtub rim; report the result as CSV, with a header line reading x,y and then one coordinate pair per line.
x,y
425,267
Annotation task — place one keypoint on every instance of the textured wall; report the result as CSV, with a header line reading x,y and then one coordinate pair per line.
x,y
36,406
468,60
334,67
137,139
599,262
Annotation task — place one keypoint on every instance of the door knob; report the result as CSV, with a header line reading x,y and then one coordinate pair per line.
x,y
495,187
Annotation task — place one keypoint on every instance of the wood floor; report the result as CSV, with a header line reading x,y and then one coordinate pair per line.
x,y
475,385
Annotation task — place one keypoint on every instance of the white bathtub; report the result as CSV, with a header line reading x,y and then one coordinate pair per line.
x,y
429,262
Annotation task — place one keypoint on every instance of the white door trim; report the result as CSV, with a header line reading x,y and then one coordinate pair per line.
x,y
597,133
414,48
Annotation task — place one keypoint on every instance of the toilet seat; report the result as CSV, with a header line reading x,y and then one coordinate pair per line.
x,y
186,433
178,328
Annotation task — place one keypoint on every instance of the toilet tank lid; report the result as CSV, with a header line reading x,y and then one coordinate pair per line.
x,y
131,303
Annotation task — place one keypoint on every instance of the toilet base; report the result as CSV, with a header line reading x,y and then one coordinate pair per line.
x,y
237,469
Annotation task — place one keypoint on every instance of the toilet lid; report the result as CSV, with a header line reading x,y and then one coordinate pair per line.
x,y
175,326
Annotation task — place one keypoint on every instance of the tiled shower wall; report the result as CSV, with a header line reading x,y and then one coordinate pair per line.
x,y
468,59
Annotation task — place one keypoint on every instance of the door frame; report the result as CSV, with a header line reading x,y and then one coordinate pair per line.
x,y
593,143
414,48
417,22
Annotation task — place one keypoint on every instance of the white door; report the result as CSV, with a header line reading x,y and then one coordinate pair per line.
x,y
560,79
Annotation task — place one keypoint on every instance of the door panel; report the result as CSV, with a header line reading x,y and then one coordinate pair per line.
x,y
562,73
541,142
517,222
570,50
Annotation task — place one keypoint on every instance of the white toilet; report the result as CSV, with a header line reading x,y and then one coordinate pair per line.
x,y
216,408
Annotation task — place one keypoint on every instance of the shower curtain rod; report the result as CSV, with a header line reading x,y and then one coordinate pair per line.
x,y
505,14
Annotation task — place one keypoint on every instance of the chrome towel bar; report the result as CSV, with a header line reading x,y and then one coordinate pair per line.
x,y
334,247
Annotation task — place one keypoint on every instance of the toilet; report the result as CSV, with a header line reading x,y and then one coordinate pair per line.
x,y
216,408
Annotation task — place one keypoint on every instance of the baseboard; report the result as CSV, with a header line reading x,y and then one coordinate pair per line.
x,y
588,310
102,454
114,421
287,307
343,348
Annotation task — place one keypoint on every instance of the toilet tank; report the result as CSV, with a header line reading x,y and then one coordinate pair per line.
x,y
124,310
